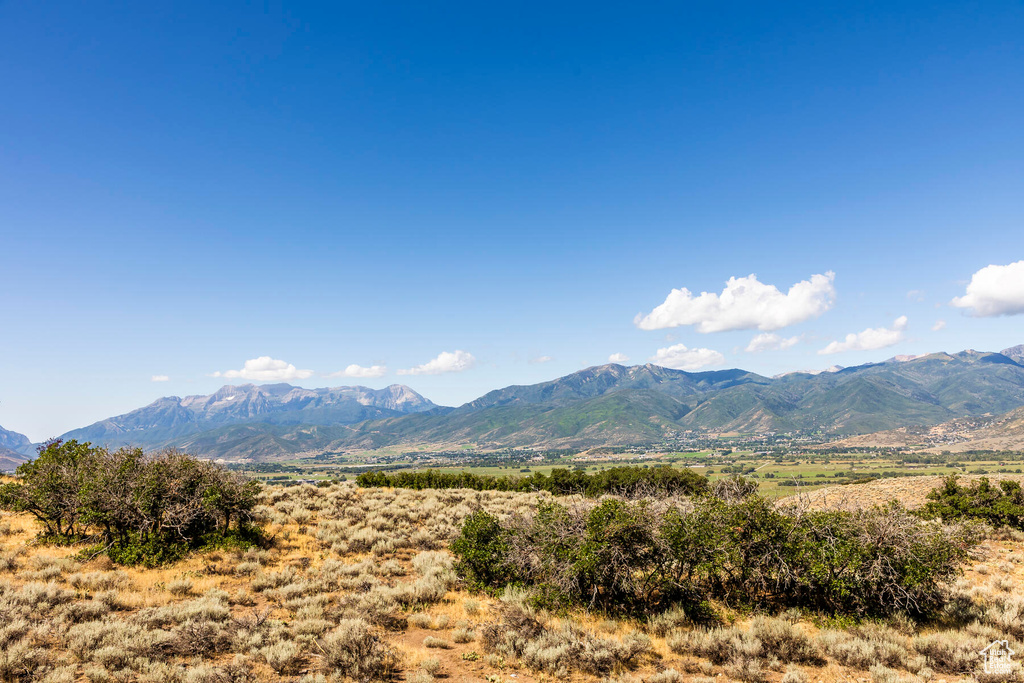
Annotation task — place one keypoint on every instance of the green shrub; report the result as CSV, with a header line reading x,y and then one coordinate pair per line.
x,y
142,509
482,552
1000,506
621,556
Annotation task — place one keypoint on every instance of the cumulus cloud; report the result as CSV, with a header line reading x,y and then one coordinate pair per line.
x,y
266,369
769,341
744,304
446,361
361,371
160,378
939,325
541,359
871,338
618,358
994,290
682,358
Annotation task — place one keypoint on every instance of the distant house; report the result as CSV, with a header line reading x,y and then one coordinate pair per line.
x,y
998,657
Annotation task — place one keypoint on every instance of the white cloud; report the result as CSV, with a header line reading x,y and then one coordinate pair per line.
x,y
744,304
769,341
160,378
916,295
682,358
445,362
541,359
939,325
266,369
869,339
618,358
994,290
361,371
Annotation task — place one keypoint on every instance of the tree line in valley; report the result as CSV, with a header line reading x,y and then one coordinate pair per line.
x,y
619,480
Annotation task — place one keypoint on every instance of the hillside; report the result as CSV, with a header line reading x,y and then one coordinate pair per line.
x,y
911,492
1001,432
9,460
13,441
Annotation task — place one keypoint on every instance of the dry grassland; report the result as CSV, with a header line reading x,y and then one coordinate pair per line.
x,y
358,585
912,492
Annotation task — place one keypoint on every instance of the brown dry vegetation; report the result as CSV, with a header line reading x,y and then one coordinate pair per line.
x,y
358,584
912,492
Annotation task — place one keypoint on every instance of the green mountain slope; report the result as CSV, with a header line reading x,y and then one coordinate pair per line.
x,y
613,404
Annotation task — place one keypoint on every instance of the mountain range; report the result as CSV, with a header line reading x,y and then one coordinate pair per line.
x,y
172,420
603,405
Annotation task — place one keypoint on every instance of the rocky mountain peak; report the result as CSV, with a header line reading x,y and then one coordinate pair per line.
x,y
1015,353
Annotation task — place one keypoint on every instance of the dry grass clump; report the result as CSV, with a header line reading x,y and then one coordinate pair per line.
x,y
669,621
421,620
786,641
770,643
867,645
740,652
100,581
180,587
794,675
463,635
441,643
42,568
666,676
951,653
9,560
558,651
353,649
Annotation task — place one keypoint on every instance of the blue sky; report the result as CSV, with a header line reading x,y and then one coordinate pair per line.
x,y
187,187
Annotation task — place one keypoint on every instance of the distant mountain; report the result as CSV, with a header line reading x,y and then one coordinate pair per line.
x,y
171,419
608,404
603,379
16,442
1015,353
14,449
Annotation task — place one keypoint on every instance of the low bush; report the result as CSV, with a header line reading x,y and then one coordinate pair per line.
x,y
629,556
